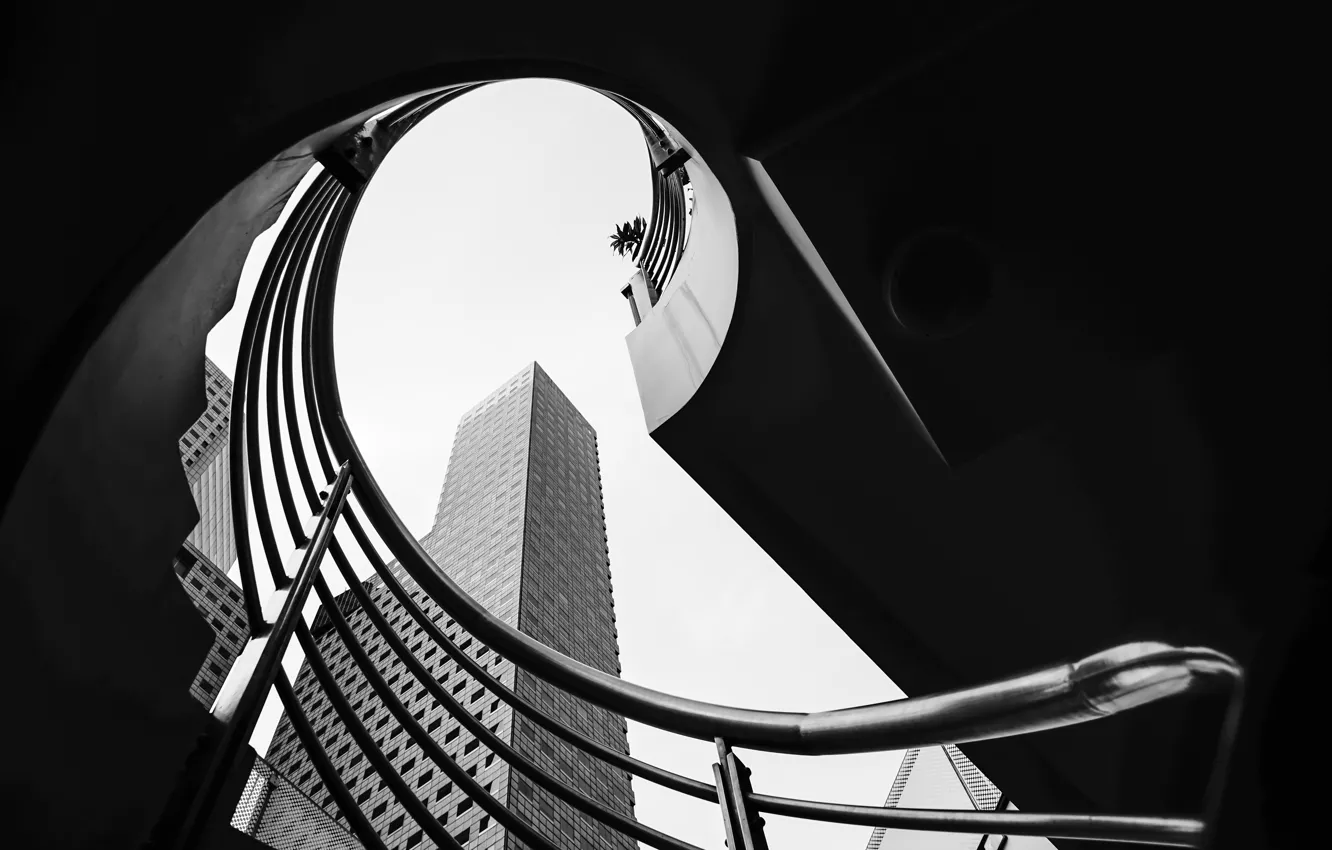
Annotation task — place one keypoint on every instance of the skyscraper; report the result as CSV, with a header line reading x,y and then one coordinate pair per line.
x,y
205,452
520,527
218,601
202,561
944,778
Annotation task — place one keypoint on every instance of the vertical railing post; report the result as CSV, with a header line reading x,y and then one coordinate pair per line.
x,y
245,690
744,827
992,841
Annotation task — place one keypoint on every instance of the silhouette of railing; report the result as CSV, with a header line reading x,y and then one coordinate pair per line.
x,y
287,361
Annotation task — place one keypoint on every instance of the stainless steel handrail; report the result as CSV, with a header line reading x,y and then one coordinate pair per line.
x,y
300,280
1128,829
1062,695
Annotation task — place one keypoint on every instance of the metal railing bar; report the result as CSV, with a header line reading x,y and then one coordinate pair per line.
x,y
245,689
748,833
678,228
660,776
420,109
383,766
668,232
1055,696
428,745
493,742
1162,831
336,222
236,437
302,233
328,773
667,235
280,329
332,223
729,821
650,260
322,271
298,453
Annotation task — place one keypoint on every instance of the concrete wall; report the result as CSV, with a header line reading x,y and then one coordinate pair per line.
x,y
111,641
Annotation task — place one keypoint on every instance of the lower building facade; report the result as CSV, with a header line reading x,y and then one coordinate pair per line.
x,y
219,602
520,527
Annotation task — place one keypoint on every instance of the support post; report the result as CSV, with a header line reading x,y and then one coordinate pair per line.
x,y
246,687
744,826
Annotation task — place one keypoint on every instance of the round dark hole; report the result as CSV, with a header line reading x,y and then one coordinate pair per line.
x,y
366,141
938,283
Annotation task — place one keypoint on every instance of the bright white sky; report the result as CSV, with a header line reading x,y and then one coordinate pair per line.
x,y
481,245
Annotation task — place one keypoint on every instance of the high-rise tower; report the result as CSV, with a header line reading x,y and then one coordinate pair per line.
x,y
944,778
520,527
202,561
205,451
218,601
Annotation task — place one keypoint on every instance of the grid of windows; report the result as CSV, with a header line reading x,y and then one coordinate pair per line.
x,y
218,601
211,547
520,527
205,452
295,822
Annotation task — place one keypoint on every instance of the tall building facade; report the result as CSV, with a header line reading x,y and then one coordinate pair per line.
x,y
202,561
205,452
520,527
218,601
944,778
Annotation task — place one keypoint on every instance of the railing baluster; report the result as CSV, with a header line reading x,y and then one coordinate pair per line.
x,y
328,772
244,691
744,826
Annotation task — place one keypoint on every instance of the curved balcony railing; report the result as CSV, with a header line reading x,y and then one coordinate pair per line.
x,y
667,224
287,361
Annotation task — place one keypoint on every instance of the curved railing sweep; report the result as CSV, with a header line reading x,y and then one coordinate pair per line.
x,y
286,370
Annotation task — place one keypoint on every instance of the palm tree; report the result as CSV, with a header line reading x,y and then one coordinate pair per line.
x,y
628,237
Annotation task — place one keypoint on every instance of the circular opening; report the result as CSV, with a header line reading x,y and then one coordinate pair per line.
x,y
938,283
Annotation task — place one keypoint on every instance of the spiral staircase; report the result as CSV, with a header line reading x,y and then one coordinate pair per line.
x,y
1004,334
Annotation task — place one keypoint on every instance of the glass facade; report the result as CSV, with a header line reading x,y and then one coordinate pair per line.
x,y
520,527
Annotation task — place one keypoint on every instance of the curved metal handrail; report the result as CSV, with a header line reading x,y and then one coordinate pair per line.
x,y
1127,829
298,285
1056,696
